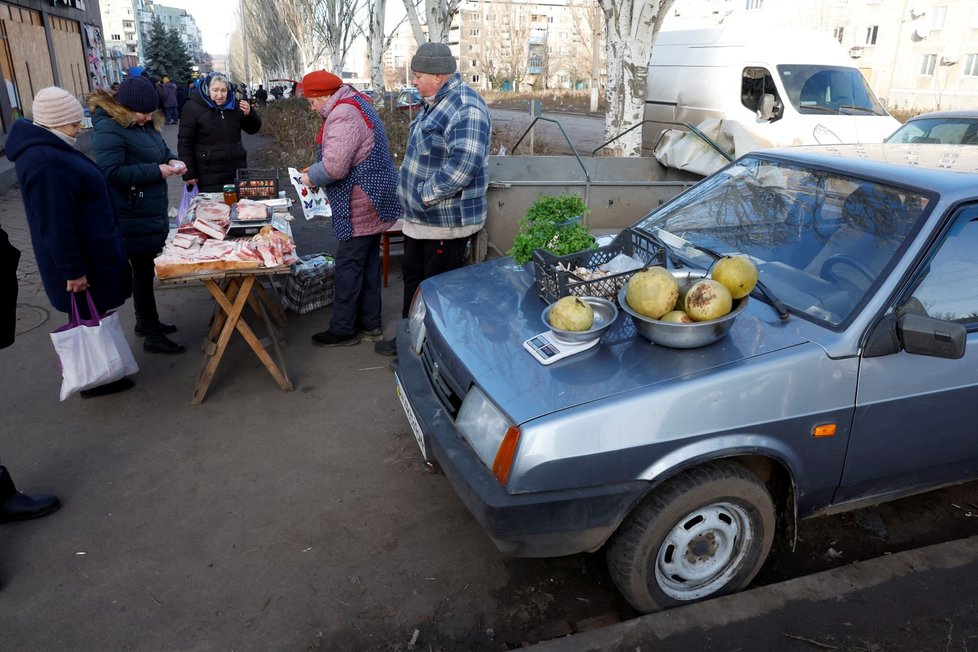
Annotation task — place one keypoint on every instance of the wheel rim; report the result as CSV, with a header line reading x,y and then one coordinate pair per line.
x,y
703,551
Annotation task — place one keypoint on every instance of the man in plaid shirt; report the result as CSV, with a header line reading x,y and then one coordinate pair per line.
x,y
444,176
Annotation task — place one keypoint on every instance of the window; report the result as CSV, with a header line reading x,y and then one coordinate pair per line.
x,y
838,33
115,37
475,79
474,32
474,63
943,291
970,65
754,5
937,15
927,64
871,34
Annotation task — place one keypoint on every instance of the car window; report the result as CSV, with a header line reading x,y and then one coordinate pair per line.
x,y
947,131
816,89
822,241
947,289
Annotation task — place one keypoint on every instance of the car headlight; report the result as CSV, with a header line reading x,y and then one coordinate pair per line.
x,y
416,328
493,437
825,136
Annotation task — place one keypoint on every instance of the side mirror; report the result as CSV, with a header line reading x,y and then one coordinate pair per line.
x,y
918,335
765,107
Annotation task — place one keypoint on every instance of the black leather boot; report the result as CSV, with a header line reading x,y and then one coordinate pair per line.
x,y
15,506
160,343
144,329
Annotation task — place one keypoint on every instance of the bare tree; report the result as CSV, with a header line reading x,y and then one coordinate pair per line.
x,y
631,26
378,45
438,15
269,40
337,26
503,40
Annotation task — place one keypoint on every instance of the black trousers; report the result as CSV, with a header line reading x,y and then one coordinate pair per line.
x,y
426,258
356,302
143,299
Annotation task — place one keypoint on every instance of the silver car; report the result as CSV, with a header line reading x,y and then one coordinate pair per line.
x,y
848,380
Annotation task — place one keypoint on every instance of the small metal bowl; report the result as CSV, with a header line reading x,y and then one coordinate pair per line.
x,y
605,314
683,336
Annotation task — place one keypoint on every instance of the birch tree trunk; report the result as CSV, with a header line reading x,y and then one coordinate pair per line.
x,y
630,27
438,15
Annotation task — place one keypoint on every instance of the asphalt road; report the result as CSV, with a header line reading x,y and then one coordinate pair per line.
x,y
265,520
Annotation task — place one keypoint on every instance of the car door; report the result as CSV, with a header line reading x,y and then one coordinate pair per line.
x,y
914,422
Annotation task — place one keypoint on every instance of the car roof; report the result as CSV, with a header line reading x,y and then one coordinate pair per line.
x,y
962,113
942,168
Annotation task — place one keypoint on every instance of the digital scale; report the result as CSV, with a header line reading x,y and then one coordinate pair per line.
x,y
547,348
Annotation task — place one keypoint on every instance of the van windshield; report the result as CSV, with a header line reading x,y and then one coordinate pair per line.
x,y
817,89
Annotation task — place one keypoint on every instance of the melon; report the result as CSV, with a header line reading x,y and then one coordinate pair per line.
x,y
571,314
737,273
652,292
677,317
708,299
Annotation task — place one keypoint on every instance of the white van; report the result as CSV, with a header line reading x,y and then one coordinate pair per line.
x,y
784,86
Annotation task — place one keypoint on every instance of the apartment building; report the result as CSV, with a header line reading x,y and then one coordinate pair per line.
x,y
45,43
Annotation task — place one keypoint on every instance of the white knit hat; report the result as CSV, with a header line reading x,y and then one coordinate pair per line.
x,y
56,107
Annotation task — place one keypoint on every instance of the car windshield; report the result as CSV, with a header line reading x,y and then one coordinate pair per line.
x,y
947,131
822,242
816,89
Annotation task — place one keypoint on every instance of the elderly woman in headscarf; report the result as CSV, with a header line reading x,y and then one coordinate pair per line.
x,y
209,140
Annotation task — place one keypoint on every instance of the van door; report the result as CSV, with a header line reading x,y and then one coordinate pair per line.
x,y
756,83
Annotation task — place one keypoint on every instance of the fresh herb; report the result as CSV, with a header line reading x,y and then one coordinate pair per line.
x,y
553,222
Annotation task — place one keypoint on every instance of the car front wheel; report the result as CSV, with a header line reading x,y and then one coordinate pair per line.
x,y
702,534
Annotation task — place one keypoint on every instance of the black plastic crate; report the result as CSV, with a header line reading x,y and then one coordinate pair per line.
x,y
254,183
555,283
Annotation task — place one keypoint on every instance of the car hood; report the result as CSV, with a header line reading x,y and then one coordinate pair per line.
x,y
479,316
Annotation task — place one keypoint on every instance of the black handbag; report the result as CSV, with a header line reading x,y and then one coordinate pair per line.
x,y
9,257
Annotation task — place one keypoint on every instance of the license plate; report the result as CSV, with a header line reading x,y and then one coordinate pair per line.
x,y
409,413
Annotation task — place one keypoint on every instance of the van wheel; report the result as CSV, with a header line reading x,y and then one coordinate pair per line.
x,y
702,534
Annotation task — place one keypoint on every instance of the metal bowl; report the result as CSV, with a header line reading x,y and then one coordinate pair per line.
x,y
605,314
683,336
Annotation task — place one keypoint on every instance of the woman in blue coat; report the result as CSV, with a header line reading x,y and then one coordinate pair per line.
x,y
129,148
73,232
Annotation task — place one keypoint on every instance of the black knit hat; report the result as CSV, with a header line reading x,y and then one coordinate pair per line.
x,y
434,59
138,94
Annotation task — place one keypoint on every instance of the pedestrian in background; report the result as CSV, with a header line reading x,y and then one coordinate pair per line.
x,y
73,229
129,147
209,140
261,95
170,101
355,168
444,175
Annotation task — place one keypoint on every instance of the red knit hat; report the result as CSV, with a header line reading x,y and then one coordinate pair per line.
x,y
320,83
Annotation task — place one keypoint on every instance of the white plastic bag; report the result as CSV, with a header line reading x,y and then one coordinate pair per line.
x,y
312,199
92,351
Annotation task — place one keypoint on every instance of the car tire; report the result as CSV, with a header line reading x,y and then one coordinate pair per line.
x,y
702,534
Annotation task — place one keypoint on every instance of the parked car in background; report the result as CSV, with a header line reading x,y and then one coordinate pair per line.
x,y
849,379
409,99
945,127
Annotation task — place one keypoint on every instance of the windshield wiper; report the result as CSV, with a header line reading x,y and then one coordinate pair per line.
x,y
674,242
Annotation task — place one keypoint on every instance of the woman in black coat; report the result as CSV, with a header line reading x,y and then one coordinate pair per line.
x,y
74,235
209,139
129,148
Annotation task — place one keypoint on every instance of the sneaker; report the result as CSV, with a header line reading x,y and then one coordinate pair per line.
x,y
327,338
386,347
372,334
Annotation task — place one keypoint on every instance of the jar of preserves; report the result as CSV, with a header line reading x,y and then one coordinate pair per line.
x,y
230,194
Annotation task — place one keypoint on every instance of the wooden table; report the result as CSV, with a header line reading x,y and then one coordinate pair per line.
x,y
232,291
